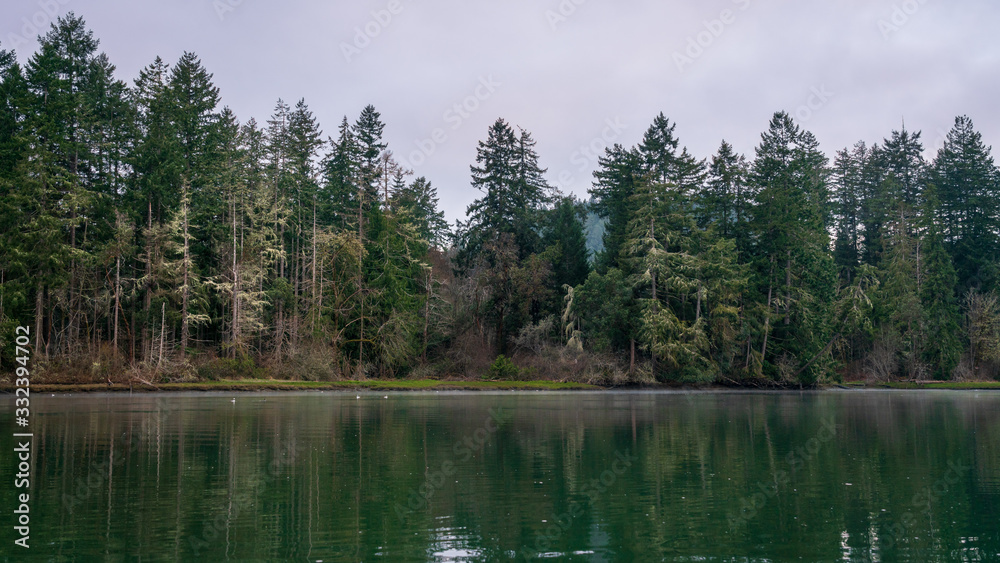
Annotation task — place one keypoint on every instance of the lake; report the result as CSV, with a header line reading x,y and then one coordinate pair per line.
x,y
604,476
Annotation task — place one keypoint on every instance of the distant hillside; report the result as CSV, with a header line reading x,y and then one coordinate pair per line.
x,y
593,228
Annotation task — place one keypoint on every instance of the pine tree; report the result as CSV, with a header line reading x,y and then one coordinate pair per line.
x,y
58,120
393,273
303,154
690,286
661,162
967,187
418,201
937,295
14,283
514,193
367,133
608,312
795,275
565,232
193,99
902,161
615,181
846,177
726,200
339,200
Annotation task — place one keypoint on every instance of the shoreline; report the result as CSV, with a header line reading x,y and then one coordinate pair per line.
x,y
448,385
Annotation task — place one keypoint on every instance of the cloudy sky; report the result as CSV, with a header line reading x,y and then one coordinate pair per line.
x,y
576,73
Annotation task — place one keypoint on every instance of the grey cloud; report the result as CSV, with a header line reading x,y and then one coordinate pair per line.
x,y
562,80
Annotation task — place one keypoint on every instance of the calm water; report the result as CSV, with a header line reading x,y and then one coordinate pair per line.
x,y
852,476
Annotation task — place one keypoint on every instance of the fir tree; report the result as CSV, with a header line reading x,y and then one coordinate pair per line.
x,y
565,232
514,193
967,187
419,202
619,172
726,200
340,180
795,273
367,133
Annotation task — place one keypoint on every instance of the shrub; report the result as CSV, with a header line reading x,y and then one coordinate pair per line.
x,y
230,369
503,369
535,337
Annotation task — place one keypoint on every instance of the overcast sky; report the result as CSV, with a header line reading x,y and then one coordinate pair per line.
x,y
576,73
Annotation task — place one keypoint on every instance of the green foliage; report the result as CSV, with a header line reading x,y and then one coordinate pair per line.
x,y
795,275
503,369
982,313
725,202
514,193
565,232
242,368
142,222
615,182
968,187
607,311
419,201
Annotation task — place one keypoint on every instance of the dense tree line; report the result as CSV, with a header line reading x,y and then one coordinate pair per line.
x,y
142,226
789,268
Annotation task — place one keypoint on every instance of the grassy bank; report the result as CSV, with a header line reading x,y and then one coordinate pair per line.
x,y
250,385
274,385
941,385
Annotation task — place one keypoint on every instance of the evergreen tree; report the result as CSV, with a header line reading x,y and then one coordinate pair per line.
x,y
514,193
608,312
902,161
565,232
619,171
795,275
193,99
661,162
367,132
392,275
967,187
848,196
689,286
937,296
726,199
340,199
419,202
14,283
59,197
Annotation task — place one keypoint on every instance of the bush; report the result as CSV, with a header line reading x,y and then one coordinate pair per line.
x,y
535,337
230,369
503,369
312,364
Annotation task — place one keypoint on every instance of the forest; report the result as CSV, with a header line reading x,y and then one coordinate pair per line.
x,y
148,234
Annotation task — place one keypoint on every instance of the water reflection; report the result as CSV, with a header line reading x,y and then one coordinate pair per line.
x,y
854,476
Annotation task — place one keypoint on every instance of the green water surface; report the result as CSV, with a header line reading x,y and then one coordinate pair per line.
x,y
714,476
